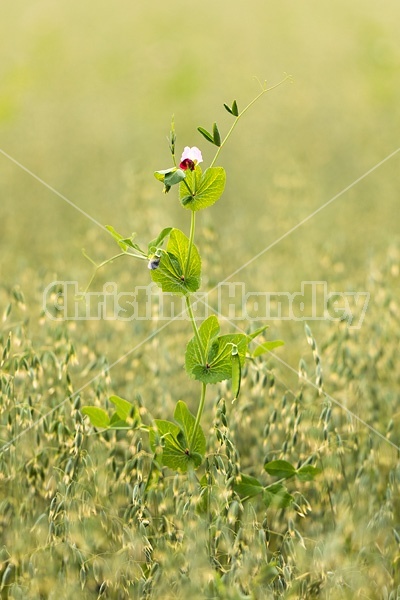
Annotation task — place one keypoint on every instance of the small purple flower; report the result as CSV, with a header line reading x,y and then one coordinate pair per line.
x,y
154,262
190,158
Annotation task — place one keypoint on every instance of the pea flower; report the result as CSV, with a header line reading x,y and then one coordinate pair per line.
x,y
190,158
154,262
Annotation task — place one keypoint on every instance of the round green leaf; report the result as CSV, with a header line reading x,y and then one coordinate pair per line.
x,y
206,190
98,416
248,487
277,496
280,468
169,276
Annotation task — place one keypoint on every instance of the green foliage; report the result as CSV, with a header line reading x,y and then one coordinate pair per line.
x,y
233,110
164,442
207,188
125,521
209,358
214,137
192,184
284,470
196,441
170,177
159,240
277,496
175,274
126,415
219,360
307,473
124,242
206,134
88,514
257,332
174,177
267,347
174,445
248,487
98,416
126,411
280,468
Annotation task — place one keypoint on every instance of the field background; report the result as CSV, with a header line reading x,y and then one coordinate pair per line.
x,y
87,95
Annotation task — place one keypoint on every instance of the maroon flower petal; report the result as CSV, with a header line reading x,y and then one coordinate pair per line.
x,y
187,164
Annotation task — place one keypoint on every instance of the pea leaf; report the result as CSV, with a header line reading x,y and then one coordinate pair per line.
x,y
206,190
307,473
220,356
117,423
248,487
217,351
174,177
176,440
129,242
98,416
216,135
192,180
195,351
228,108
186,420
267,347
280,468
122,242
126,411
160,175
159,240
257,332
284,470
170,275
232,110
206,134
172,454
277,496
208,331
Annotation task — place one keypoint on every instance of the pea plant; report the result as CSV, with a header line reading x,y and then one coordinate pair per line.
x,y
174,264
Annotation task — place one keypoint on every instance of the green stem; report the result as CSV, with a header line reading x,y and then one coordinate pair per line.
x,y
195,328
188,187
204,385
264,91
105,262
198,416
191,238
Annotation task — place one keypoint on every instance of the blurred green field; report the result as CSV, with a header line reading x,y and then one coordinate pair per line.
x,y
87,95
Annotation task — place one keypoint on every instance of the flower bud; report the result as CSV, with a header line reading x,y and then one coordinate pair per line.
x,y
154,262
